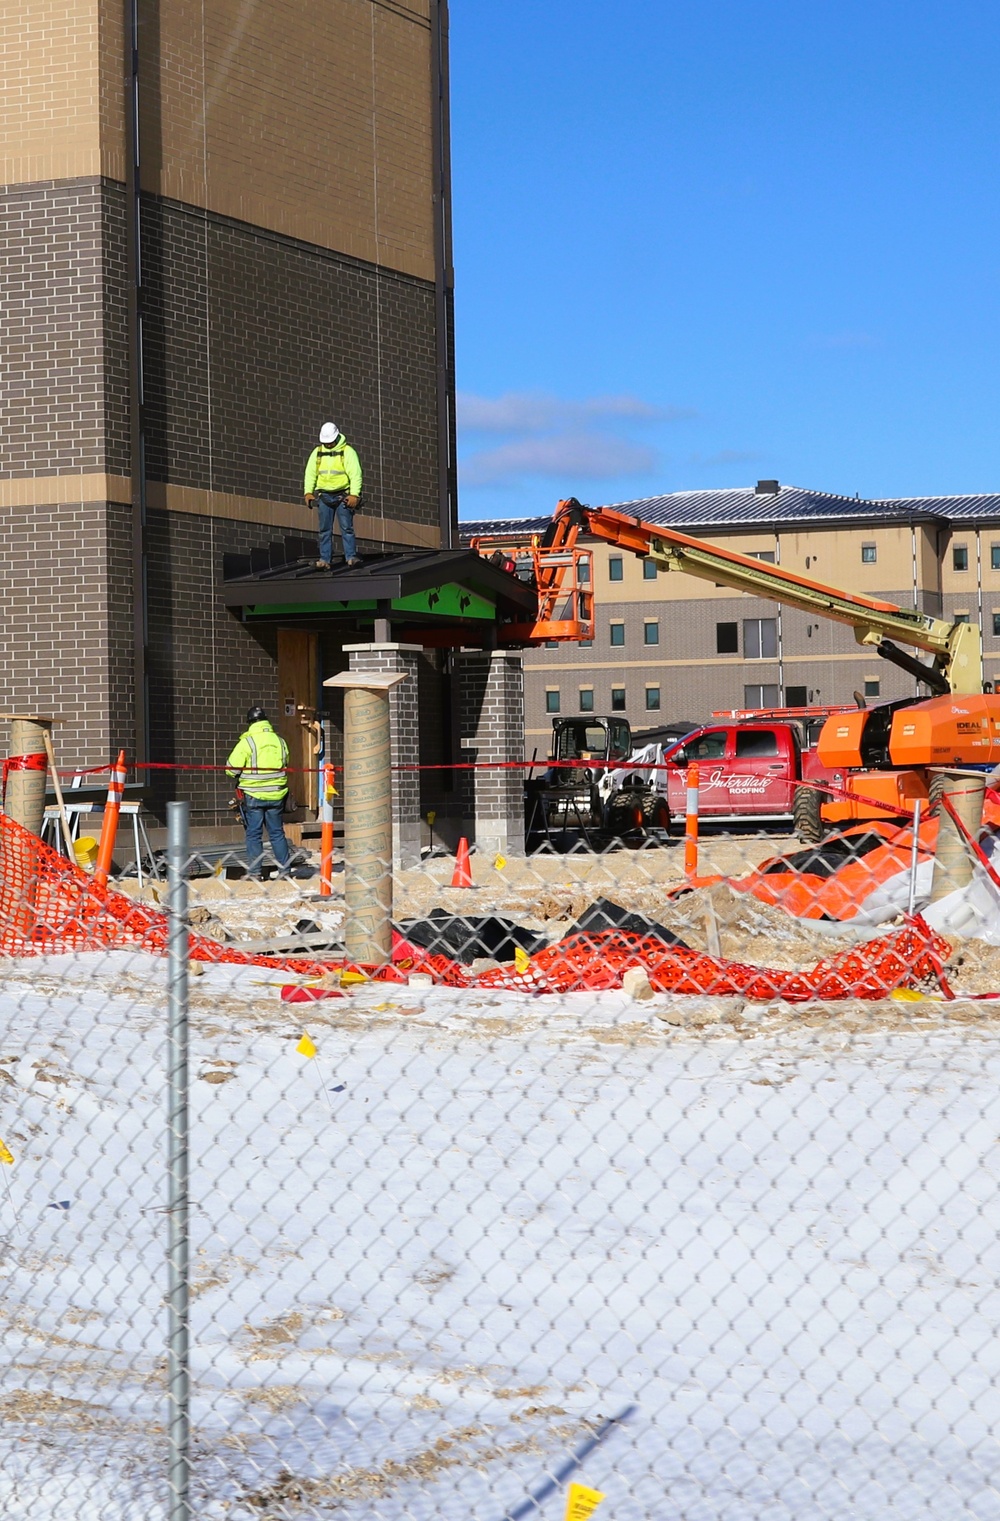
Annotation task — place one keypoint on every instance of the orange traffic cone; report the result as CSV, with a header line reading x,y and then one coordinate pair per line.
x,y
462,875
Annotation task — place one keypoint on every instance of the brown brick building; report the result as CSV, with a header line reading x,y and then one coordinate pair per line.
x,y
211,243
669,647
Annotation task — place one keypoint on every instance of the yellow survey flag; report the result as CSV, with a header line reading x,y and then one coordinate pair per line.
x,y
581,1502
348,979
907,995
306,1047
521,959
5,1155
500,862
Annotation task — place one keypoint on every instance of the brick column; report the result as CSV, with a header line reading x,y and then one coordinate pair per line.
x,y
491,729
404,739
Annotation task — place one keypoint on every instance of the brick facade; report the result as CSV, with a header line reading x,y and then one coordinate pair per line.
x,y
294,270
55,594
52,357
239,373
491,728
251,341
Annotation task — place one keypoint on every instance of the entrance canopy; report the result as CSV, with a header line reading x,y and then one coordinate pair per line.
x,y
434,597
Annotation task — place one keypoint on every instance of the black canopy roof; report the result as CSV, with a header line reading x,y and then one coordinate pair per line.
x,y
282,581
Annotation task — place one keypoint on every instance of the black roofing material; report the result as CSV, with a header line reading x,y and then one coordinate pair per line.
x,y
606,915
466,939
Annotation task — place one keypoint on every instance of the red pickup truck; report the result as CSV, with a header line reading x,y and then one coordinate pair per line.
x,y
752,769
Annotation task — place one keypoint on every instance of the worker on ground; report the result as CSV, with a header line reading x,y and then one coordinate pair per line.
x,y
258,766
333,482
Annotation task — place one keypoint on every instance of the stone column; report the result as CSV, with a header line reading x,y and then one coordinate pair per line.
x,y
404,738
491,729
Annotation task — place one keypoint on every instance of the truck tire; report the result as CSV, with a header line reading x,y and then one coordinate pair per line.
x,y
806,815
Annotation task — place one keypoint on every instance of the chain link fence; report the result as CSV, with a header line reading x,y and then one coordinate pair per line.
x,y
679,1185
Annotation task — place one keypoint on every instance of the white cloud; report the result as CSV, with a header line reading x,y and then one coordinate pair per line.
x,y
570,456
538,411
725,457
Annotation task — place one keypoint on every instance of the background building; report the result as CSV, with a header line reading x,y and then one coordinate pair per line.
x,y
668,646
212,241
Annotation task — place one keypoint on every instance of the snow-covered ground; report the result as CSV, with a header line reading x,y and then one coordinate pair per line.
x,y
432,1265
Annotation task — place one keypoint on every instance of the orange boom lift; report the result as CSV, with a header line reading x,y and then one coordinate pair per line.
x,y
879,755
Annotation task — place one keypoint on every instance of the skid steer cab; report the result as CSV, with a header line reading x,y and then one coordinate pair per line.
x,y
589,793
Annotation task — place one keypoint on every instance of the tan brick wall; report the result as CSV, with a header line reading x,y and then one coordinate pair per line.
x,y
310,121
49,100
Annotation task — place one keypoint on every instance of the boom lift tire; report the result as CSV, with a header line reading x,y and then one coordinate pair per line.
x,y
806,815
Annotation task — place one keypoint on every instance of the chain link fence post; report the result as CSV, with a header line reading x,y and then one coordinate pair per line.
x,y
178,1375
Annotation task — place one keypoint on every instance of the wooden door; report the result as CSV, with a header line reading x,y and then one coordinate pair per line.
x,y
298,657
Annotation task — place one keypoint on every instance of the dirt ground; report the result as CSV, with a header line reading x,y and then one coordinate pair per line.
x,y
547,893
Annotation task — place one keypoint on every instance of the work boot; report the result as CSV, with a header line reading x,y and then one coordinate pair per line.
x,y
322,565
356,561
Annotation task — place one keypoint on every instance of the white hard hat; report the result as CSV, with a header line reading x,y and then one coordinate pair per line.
x,y
329,433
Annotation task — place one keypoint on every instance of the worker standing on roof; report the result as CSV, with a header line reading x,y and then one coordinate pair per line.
x,y
333,482
258,765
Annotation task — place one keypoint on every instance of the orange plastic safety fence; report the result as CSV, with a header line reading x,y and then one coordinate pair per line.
x,y
48,905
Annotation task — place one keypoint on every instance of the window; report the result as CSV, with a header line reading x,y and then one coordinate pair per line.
x,y
616,568
996,623
869,554
871,686
652,699
797,697
617,633
960,557
708,747
754,742
586,699
552,700
760,639
961,617
764,696
995,557
618,699
651,633
727,640
580,740
649,569
585,644
551,644
621,742
767,555
583,572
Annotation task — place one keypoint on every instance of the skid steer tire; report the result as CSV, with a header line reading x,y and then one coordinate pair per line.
x,y
659,817
808,820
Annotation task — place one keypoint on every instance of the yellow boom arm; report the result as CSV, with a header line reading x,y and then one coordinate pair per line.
x,y
956,647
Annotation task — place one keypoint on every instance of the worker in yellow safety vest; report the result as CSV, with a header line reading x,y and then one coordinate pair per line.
x,y
333,482
258,765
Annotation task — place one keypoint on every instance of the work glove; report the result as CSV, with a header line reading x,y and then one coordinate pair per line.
x,y
309,501
351,501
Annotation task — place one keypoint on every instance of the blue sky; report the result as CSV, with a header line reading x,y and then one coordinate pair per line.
x,y
702,241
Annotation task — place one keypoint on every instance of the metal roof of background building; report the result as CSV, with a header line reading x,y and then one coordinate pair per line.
x,y
978,508
788,506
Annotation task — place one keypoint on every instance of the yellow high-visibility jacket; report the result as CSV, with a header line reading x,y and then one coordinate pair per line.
x,y
333,467
258,763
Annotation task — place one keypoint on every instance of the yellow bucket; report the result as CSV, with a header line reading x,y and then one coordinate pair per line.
x,y
85,850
